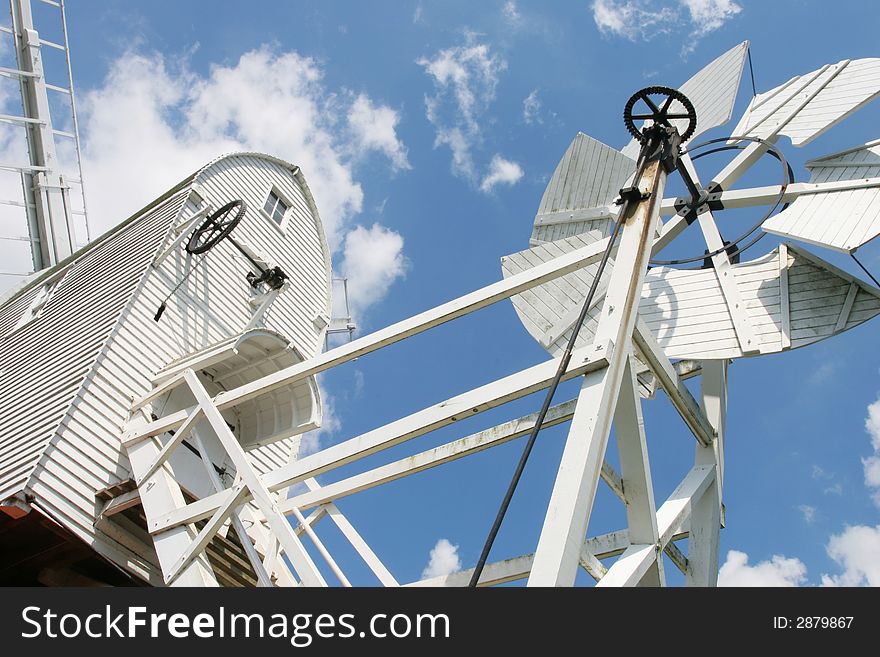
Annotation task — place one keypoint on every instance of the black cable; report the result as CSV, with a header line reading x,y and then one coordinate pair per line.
x,y
752,71
864,269
560,371
162,306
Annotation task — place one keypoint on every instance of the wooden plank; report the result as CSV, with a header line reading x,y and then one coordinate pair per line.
x,y
783,297
567,517
641,513
674,388
843,318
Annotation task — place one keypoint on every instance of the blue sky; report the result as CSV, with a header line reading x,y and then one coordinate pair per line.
x,y
426,178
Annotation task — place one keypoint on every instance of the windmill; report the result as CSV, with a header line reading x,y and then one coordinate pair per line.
x,y
171,448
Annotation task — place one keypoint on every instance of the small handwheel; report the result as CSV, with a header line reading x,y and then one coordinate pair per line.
x,y
669,105
216,227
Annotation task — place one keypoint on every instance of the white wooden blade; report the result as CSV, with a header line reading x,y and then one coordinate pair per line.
x,y
579,195
789,306
792,301
712,91
840,220
549,311
808,105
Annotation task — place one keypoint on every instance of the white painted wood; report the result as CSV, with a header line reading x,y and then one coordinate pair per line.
x,y
702,562
467,404
666,375
712,90
254,487
742,324
447,453
591,564
784,304
99,347
578,197
845,217
632,448
263,578
567,517
846,309
806,106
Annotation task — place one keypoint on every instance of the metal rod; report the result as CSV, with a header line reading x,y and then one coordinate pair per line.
x,y
752,72
864,269
563,366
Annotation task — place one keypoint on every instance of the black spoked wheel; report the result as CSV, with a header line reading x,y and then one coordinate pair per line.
x,y
659,105
216,227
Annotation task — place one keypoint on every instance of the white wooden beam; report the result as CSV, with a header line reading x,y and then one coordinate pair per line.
x,y
702,568
278,524
754,196
635,469
179,436
447,453
843,317
784,304
742,323
263,578
567,517
459,307
206,534
161,496
592,565
360,545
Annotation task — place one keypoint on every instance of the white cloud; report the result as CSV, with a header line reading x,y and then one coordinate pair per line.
x,y
443,560
151,123
708,15
501,172
372,260
532,108
855,550
511,11
633,19
642,20
808,512
465,78
871,464
375,128
779,571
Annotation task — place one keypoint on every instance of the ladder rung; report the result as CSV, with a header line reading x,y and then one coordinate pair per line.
x,y
61,133
52,44
58,89
17,204
79,212
51,2
14,72
16,238
8,118
15,167
16,273
8,30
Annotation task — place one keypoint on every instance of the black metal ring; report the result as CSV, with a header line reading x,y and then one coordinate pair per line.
x,y
659,114
215,228
788,176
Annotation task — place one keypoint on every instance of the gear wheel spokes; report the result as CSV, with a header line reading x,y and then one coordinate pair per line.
x,y
659,112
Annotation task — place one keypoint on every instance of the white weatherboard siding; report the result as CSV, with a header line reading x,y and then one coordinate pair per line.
x,y
841,220
45,362
77,368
